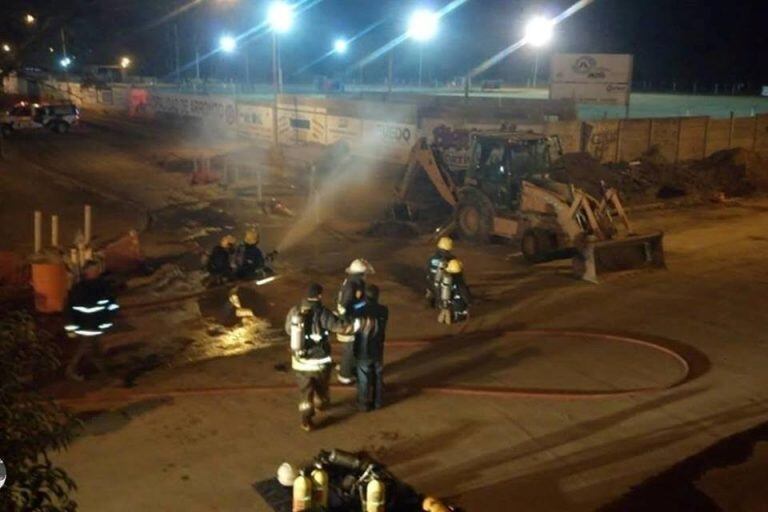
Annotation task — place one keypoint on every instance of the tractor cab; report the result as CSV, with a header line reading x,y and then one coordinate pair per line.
x,y
499,162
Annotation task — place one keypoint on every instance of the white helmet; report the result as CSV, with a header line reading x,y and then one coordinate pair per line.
x,y
360,266
286,474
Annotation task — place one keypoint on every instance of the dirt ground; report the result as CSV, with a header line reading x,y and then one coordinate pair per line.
x,y
202,451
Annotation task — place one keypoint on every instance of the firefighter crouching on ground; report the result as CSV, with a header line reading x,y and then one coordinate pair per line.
x,y
435,268
249,259
220,264
91,309
309,325
351,300
454,296
369,351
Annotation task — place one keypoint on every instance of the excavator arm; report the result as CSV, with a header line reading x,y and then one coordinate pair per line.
x,y
425,158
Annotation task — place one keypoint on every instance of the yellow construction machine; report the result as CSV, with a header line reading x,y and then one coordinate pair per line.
x,y
506,191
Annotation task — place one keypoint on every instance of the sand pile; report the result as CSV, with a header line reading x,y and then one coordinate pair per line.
x,y
728,173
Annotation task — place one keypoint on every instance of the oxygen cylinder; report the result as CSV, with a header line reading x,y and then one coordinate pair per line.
x,y
446,286
375,497
297,332
434,505
302,493
319,489
345,460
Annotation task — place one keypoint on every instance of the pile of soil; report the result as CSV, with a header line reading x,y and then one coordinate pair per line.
x,y
727,173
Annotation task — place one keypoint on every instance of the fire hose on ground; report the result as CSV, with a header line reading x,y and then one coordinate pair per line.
x,y
133,394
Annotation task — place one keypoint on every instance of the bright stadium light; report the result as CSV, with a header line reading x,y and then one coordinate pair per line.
x,y
65,62
280,16
539,31
340,46
125,62
422,25
227,43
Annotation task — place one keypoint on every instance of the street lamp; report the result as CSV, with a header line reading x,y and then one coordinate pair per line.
x,y
422,27
538,33
65,62
340,46
125,62
227,43
280,19
29,19
6,48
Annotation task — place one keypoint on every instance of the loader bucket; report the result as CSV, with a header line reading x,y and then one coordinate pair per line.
x,y
634,252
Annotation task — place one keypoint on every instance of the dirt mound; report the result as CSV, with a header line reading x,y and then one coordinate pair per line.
x,y
729,173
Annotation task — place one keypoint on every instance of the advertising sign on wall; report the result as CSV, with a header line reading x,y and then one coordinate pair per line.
x,y
219,109
603,78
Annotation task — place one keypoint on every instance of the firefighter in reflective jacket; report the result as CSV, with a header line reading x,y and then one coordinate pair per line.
x,y
435,268
350,303
249,259
91,310
454,296
309,325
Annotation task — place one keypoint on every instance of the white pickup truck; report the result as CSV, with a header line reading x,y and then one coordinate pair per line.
x,y
59,118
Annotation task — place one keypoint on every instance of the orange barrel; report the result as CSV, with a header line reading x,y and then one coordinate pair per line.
x,y
49,281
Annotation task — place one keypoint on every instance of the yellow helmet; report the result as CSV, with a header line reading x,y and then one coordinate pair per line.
x,y
227,240
454,267
252,237
445,244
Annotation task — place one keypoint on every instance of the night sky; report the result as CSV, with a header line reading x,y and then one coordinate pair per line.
x,y
681,40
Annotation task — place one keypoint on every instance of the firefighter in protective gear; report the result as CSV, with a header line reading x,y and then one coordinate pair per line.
x,y
309,325
220,263
369,351
350,302
454,296
435,268
91,309
249,259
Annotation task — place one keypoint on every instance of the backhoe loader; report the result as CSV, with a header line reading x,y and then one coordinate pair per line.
x,y
507,192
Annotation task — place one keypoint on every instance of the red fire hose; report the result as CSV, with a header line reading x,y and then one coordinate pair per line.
x,y
125,394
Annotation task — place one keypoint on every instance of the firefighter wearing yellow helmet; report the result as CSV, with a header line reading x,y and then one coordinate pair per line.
x,y
435,268
220,264
248,256
454,296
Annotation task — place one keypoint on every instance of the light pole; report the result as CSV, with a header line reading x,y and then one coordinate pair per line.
x,y
280,19
125,63
227,45
422,27
538,33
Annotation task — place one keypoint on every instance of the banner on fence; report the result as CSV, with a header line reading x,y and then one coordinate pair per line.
x,y
215,109
255,122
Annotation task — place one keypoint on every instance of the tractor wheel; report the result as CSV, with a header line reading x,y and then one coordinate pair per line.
x,y
538,245
474,220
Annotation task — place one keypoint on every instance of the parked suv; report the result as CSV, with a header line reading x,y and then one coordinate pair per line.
x,y
59,118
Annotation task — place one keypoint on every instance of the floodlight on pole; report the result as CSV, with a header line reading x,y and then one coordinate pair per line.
x,y
29,19
6,48
422,25
539,31
340,46
65,62
280,16
227,43
125,62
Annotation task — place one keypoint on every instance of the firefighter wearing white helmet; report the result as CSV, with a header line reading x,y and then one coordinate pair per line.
x,y
435,268
350,302
454,296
